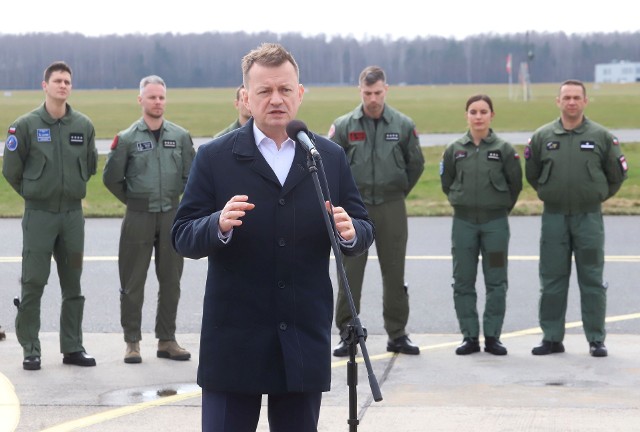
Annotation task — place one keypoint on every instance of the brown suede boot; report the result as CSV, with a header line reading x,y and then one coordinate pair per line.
x,y
132,354
171,350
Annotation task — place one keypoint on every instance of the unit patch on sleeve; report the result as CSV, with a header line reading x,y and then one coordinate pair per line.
x,y
392,136
357,136
169,143
623,163
332,131
76,138
11,143
114,144
43,135
587,145
527,152
494,155
144,146
553,145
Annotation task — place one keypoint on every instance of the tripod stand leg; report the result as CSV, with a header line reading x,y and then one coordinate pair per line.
x,y
349,337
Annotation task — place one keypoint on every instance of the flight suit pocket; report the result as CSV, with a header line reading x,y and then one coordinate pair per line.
x,y
596,174
34,168
84,170
457,182
546,171
498,181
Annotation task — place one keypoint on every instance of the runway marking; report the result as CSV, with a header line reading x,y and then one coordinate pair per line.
x,y
119,412
525,332
9,405
12,409
607,258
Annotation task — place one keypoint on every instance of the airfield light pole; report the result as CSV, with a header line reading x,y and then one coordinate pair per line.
x,y
527,71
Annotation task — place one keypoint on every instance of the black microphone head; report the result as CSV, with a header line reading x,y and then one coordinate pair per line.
x,y
295,127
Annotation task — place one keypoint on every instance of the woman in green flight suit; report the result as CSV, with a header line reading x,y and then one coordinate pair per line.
x,y
482,177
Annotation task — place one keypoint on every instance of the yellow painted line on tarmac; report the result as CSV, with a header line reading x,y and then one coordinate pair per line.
x,y
119,412
9,405
607,258
524,332
87,258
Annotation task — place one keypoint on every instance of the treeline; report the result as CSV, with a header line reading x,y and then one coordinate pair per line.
x,y
213,59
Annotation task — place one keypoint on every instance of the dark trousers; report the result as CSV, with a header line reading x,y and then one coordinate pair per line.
x,y
141,233
390,220
238,412
580,235
61,235
468,241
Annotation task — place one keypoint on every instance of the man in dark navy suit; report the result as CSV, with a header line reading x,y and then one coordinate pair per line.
x,y
250,206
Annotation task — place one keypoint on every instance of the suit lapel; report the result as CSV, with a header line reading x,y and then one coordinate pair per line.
x,y
297,172
245,149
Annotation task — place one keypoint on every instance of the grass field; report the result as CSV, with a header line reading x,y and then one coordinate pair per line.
x,y
434,109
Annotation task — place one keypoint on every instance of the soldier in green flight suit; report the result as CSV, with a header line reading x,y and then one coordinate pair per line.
x,y
243,113
386,161
147,169
574,164
482,177
50,156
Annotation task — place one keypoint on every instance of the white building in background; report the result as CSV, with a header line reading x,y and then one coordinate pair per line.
x,y
618,72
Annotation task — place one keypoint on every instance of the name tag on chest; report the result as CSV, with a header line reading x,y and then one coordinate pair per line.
x,y
587,145
392,136
494,155
169,144
76,138
144,146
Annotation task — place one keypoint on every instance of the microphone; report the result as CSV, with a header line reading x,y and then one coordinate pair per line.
x,y
297,131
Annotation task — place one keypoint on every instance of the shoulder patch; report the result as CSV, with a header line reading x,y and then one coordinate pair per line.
x,y
114,144
516,156
415,132
12,129
527,152
615,141
332,131
11,143
623,163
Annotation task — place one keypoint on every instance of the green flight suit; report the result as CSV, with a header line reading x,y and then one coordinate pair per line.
x,y
573,171
49,162
386,162
149,175
233,126
482,184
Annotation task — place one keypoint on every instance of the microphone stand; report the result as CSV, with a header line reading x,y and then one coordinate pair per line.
x,y
354,334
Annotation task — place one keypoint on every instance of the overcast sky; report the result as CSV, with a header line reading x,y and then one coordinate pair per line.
x,y
361,19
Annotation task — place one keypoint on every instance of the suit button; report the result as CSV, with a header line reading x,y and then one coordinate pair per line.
x,y
281,284
281,201
283,326
281,242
